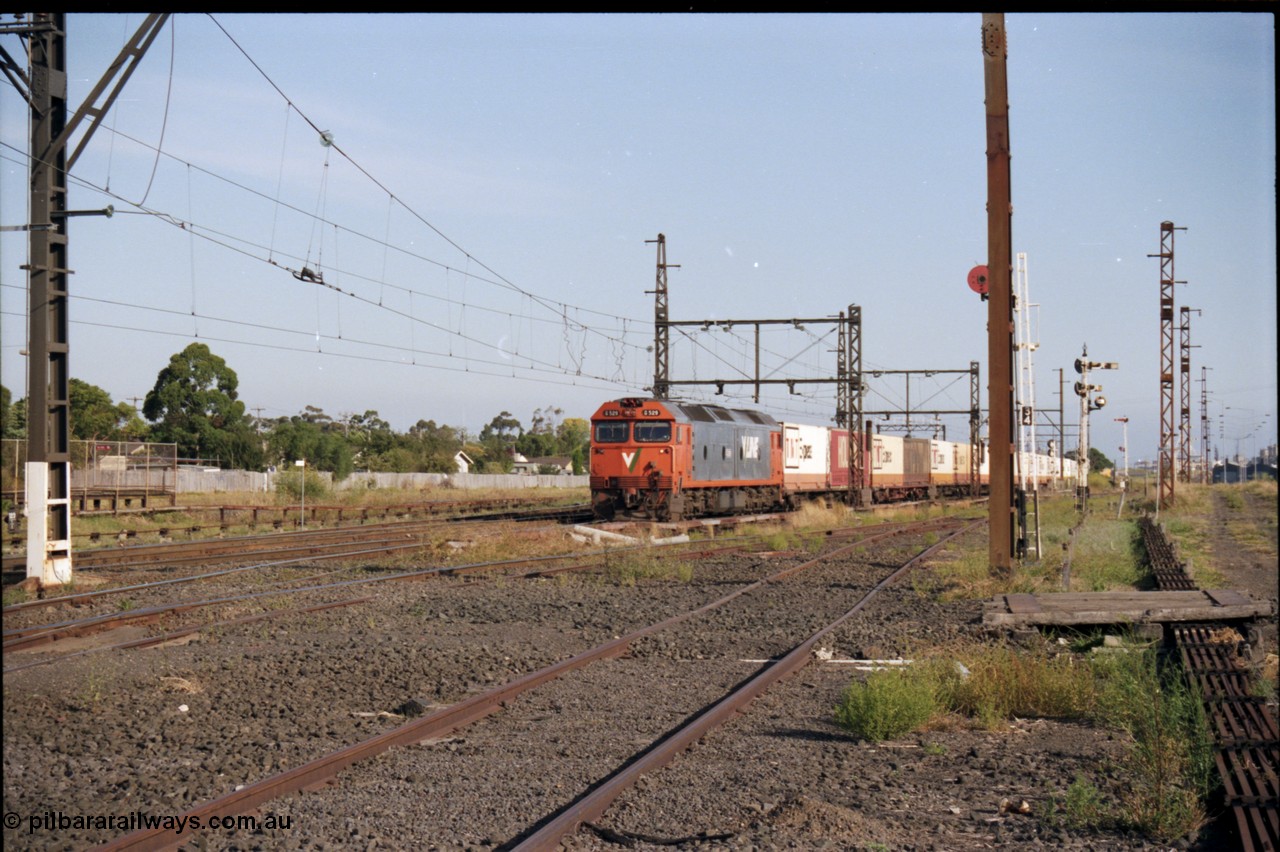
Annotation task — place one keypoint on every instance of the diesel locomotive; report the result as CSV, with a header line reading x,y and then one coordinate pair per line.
x,y
667,460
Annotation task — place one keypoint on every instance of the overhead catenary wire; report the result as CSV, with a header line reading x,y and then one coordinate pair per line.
x,y
501,280
567,381
310,334
583,329
168,97
225,241
270,254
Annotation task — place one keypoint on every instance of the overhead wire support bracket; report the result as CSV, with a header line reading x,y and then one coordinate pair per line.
x,y
124,65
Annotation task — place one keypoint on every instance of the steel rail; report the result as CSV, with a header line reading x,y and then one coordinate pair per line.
x,y
435,724
203,549
548,835
149,641
35,635
82,597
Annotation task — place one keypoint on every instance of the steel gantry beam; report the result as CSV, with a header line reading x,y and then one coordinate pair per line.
x,y
848,378
906,411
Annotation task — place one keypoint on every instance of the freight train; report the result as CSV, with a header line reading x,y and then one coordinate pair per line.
x,y
667,460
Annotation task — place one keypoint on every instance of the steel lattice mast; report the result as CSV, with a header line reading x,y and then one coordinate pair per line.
x,y
1185,448
1204,425
1168,433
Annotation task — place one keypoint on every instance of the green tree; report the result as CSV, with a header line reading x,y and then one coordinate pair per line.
x,y
1098,461
502,427
6,407
574,438
536,444
194,404
434,446
301,437
94,417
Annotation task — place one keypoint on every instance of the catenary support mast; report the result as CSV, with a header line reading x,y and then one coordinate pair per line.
x,y
1185,449
48,468
1168,432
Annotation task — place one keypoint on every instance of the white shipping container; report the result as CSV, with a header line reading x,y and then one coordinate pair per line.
x,y
886,456
805,449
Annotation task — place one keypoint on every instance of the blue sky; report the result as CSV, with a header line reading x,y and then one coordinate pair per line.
x,y
481,231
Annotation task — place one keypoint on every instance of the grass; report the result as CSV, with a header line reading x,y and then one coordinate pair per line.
x,y
1106,554
1004,683
626,569
1168,771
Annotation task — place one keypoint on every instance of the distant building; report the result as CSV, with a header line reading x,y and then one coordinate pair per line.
x,y
463,462
531,467
1229,471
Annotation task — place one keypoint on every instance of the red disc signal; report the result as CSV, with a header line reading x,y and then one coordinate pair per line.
x,y
978,280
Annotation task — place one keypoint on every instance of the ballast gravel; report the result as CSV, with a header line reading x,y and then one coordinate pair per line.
x,y
158,731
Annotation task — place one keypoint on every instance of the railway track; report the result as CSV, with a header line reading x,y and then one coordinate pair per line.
x,y
34,635
724,697
281,517
281,545
1247,749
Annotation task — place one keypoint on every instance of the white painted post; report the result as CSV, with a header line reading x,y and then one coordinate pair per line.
x,y
302,463
51,571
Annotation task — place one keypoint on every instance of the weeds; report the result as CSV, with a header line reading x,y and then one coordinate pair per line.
x,y
93,691
627,569
888,704
1004,683
1170,753
1168,769
1081,808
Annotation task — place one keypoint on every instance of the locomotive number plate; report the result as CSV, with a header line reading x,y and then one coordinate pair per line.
x,y
652,412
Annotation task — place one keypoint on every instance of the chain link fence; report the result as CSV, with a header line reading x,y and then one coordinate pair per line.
x,y
104,474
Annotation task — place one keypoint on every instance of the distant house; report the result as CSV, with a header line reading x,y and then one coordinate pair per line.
x,y
463,462
563,465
